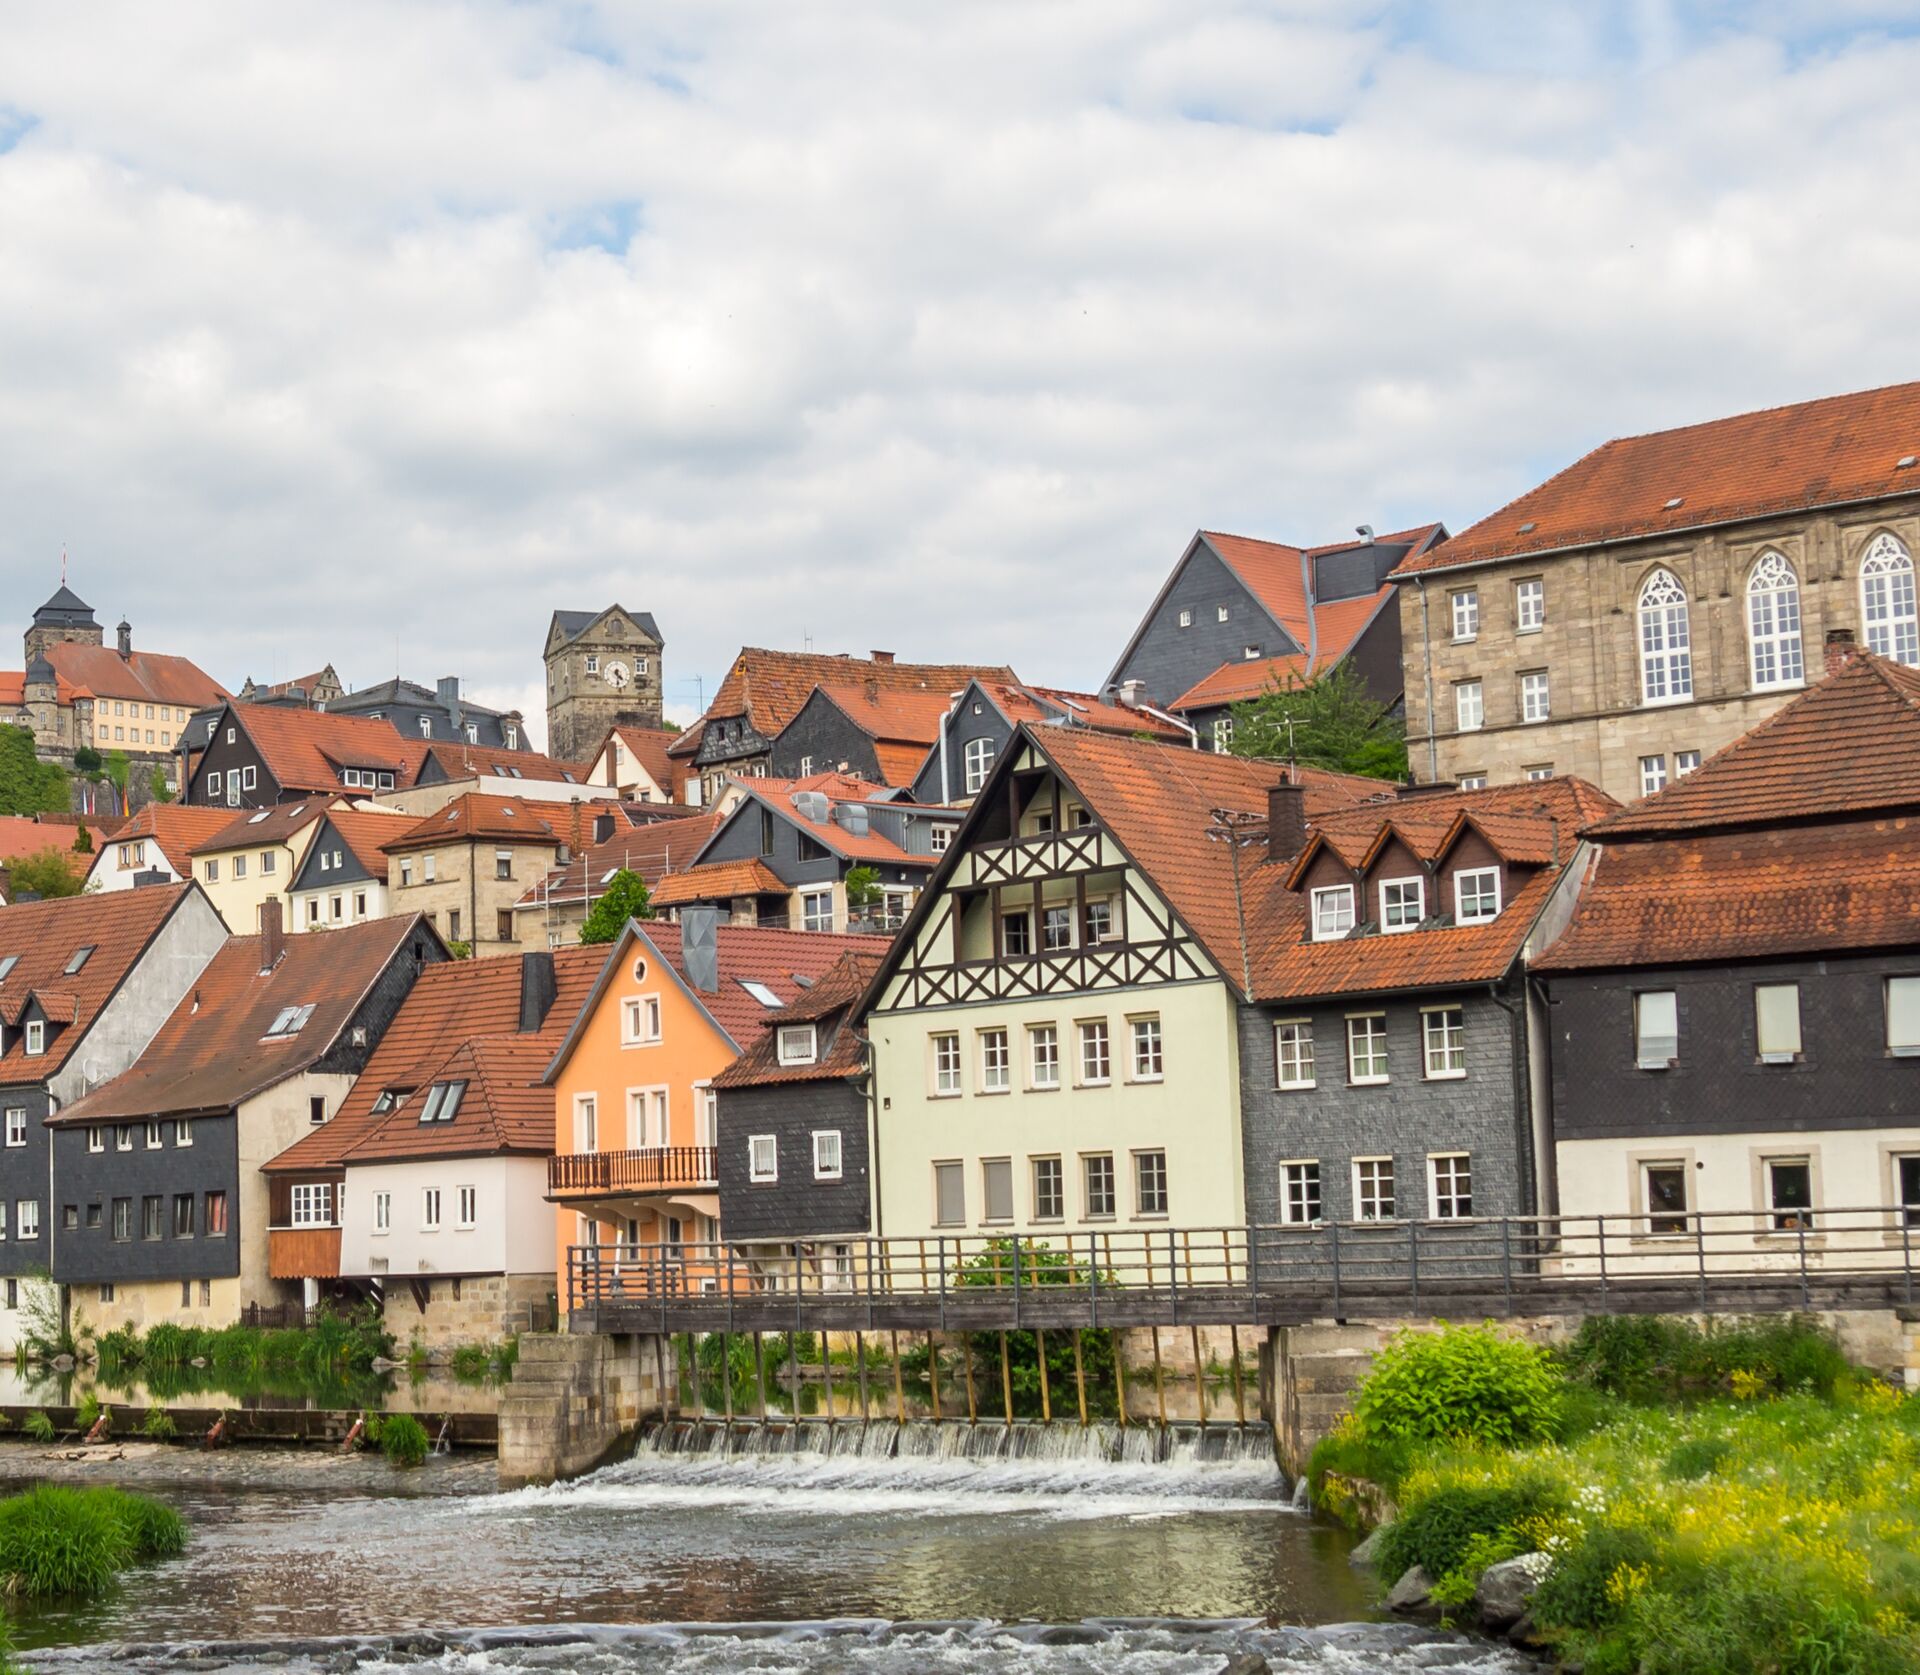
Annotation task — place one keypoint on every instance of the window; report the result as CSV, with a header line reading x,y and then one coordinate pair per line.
x,y
502,920
1790,1193
1469,706
1653,774
826,1154
1887,600
426,869
1367,1049
466,1205
216,1214
1776,1016
1543,770
1186,619
1663,1186
426,726
996,1181
1099,921
1332,912
1300,1193
442,1103
1056,929
183,1129
17,1127
248,782
1656,1029
1293,1053
406,870
503,863
27,1218
1016,935
938,837
1466,613
1666,654
1475,781
1451,1186
36,1037
289,1020
153,1134
1251,654
1150,1183
313,910
816,910
1476,895
946,1065
1529,605
1049,1189
183,1215
797,1044
640,1021
214,788
1533,696
96,1139
152,1214
1220,613
949,1195
1373,1189
1097,1175
763,1157
1773,624
453,924
979,763
123,1220
123,1137
1096,1053
313,1205
383,1212
106,1292
996,1064
1444,1033
1149,1057
430,1210
1903,1016
1684,762
1906,1186
1043,1054
1223,735
1402,904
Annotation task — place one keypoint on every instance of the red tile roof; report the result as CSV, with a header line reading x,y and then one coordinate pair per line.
x,y
717,881
459,760
212,1053
364,832
899,714
1234,683
1052,704
825,1004
1848,745
464,1011
652,851
1273,572
254,828
1831,452
476,818
21,834
148,677
648,747
176,829
305,750
43,937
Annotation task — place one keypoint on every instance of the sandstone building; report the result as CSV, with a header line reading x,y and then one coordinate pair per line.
x,y
603,669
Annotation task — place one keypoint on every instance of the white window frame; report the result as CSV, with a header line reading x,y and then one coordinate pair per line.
x,y
383,1213
1328,926
1143,1160
1473,781
994,1169
944,1064
996,1061
1653,775
1486,886
1900,1010
1394,926
1469,706
1367,1173
763,1158
1087,1033
1776,653
1223,735
1536,699
1684,762
1646,1043
1373,1036
311,1205
1145,1033
1303,1200
1464,608
829,1160
640,1021
1665,639
36,1037
1293,1067
430,1209
1444,1202
797,1044
1058,1166
17,1125
1047,1035
977,761
586,1122
1530,605
1657,1222
1787,1040
1099,1163
949,1169
466,1207
1887,604
939,837
816,910
1790,1218
1442,1041
27,1219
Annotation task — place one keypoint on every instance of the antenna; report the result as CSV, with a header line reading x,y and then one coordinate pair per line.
x,y
1236,828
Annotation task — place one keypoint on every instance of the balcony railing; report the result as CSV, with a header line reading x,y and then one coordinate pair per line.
x,y
649,1169
303,1253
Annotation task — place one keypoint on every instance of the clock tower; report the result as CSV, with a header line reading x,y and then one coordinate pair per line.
x,y
603,667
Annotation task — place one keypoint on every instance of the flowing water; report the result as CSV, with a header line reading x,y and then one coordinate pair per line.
x,y
880,1549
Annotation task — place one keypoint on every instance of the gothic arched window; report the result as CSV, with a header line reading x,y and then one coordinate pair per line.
x,y
1886,600
1666,652
1774,652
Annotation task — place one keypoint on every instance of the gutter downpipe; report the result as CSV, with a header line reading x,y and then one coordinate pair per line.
x,y
1313,621
1193,733
1426,640
1522,1093
946,791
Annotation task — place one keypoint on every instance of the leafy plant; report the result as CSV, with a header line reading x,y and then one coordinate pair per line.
x,y
60,1542
39,1425
1460,1382
403,1439
49,873
624,898
88,1412
158,1425
49,1330
27,784
1696,1458
1331,721
1440,1530
862,886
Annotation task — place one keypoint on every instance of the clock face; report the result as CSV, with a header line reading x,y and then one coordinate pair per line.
x,y
616,675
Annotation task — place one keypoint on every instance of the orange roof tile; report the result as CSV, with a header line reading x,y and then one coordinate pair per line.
x,y
1052,705
717,881
459,760
22,834
652,851
648,747
305,750
826,1004
148,677
1273,572
476,818
909,714
176,828
1831,452
277,823
1234,683
364,830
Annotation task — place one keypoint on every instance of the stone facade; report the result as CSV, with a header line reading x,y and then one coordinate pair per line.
x,y
466,900
602,668
576,1400
1588,646
476,1309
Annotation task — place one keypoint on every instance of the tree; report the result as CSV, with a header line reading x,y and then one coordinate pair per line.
x,y
863,887
46,873
118,769
27,784
159,789
82,840
625,898
87,761
1328,722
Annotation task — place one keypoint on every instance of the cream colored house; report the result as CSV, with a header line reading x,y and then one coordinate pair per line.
x,y
253,859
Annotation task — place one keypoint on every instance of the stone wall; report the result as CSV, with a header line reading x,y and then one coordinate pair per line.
x,y
479,1309
575,1402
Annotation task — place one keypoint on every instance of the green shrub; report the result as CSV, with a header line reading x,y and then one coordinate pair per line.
x,y
158,1425
39,1425
1460,1382
1696,1458
118,1349
1440,1532
472,1361
403,1439
1575,1593
87,1412
1652,1358
59,1542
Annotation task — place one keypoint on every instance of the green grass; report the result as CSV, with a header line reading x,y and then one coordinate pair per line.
x,y
39,1425
58,1542
403,1439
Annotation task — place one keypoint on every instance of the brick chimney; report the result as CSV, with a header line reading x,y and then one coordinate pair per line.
x,y
1286,820
1841,649
883,657
273,940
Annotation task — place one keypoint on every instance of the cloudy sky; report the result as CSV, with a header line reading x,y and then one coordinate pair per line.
x,y
363,332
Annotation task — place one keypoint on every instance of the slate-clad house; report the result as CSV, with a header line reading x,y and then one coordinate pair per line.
x,y
162,1208
981,719
1392,1061
341,879
256,755
791,1128
438,713
782,856
1736,1002
84,983
1238,615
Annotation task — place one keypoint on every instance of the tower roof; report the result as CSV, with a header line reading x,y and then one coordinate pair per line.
x,y
66,609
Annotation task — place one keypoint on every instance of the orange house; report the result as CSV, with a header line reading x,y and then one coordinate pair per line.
x,y
633,1178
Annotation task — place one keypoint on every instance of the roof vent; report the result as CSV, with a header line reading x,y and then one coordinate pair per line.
x,y
852,818
811,805
1904,461
1675,501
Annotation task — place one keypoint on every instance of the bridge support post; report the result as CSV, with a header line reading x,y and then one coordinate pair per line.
x,y
576,1401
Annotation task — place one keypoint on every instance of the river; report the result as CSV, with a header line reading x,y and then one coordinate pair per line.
x,y
926,1563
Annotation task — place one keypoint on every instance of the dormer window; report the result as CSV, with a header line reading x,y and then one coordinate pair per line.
x,y
1332,912
1476,895
36,1037
798,1044
1403,903
442,1102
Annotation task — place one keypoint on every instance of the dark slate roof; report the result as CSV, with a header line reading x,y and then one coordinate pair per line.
x,y
575,623
66,609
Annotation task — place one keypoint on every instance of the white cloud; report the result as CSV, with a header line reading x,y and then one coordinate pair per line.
x,y
936,329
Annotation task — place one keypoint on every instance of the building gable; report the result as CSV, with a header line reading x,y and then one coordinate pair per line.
x,y
1169,657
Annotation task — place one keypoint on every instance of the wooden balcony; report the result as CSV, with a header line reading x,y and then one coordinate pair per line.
x,y
653,1169
303,1253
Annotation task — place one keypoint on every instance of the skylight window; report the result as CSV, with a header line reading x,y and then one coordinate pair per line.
x,y
763,994
390,1099
80,958
289,1020
255,820
1904,461
443,1101
1671,504
7,965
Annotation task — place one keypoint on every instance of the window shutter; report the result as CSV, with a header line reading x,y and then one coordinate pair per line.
x,y
1658,1031
1777,1014
952,1193
1903,1014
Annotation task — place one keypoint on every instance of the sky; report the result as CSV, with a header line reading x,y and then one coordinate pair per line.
x,y
371,333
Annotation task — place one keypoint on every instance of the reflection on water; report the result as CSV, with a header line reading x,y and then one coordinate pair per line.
x,y
24,1385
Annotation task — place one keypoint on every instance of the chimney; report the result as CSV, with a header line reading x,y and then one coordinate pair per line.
x,y
536,989
1841,649
449,689
883,656
272,940
1132,693
603,827
1286,820
700,947
126,639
